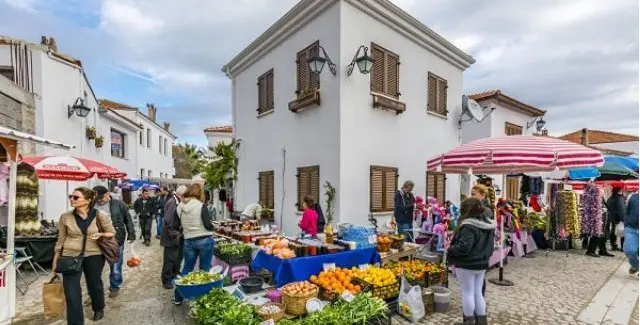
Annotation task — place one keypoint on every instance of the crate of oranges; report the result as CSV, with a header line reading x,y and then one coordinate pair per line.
x,y
335,282
420,272
382,282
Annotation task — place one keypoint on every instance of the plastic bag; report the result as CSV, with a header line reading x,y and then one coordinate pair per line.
x,y
53,300
134,260
410,304
620,229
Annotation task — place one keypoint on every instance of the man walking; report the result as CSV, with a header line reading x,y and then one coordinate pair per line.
x,y
145,208
172,239
123,225
160,200
630,246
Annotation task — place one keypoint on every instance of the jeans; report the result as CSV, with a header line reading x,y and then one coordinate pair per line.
x,y
471,282
404,228
159,220
116,276
199,248
92,268
631,246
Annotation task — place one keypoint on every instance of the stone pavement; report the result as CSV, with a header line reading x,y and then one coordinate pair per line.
x,y
551,289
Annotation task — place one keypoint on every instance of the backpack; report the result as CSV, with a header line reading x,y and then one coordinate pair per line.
x,y
321,221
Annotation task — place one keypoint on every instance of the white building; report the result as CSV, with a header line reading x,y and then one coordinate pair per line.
x,y
218,134
58,82
607,142
509,117
364,133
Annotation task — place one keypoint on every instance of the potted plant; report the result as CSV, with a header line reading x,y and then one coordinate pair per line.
x,y
330,195
99,141
90,132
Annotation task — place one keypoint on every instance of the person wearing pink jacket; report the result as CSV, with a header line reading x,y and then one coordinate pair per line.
x,y
309,222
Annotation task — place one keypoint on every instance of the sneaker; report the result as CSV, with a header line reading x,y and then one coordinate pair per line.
x,y
177,302
593,255
607,254
633,270
98,316
114,294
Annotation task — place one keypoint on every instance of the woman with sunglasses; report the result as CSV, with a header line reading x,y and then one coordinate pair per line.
x,y
83,219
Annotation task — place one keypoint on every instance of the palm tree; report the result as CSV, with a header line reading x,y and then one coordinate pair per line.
x,y
188,160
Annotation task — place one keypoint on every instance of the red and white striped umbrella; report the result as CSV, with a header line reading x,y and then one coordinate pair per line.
x,y
513,154
71,168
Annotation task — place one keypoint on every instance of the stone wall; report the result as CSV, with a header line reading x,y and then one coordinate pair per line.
x,y
17,112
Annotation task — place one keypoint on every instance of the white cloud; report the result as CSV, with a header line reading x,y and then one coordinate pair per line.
x,y
27,5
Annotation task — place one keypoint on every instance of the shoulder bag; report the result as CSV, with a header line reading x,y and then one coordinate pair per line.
x,y
108,245
68,265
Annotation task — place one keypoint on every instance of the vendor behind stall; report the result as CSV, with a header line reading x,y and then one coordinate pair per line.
x,y
251,211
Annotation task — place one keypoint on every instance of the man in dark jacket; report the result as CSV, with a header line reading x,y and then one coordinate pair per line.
x,y
403,210
145,209
615,206
631,232
171,239
122,223
160,200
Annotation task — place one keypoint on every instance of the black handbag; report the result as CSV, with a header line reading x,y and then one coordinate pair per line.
x,y
68,265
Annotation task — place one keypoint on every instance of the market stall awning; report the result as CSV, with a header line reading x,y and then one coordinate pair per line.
x,y
71,168
613,169
513,154
629,185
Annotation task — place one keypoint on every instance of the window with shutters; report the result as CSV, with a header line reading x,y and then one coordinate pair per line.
x,y
308,184
307,82
512,129
385,80
437,95
437,186
513,188
266,189
383,184
265,92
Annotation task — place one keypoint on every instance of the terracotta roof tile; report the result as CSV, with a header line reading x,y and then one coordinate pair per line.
x,y
220,129
606,151
501,97
598,136
105,103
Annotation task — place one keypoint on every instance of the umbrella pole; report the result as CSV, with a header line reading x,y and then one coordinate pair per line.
x,y
501,281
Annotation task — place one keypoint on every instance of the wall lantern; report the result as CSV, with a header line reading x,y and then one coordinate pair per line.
x,y
316,63
497,190
364,62
78,108
539,123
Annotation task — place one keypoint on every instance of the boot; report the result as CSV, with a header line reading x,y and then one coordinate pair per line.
x,y
467,320
481,320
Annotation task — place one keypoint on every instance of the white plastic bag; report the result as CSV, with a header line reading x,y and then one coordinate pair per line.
x,y
620,229
410,304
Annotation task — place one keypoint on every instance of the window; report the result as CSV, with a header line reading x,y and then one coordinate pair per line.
x,y
141,172
165,146
512,129
117,143
142,137
385,74
437,95
149,173
265,185
308,184
265,92
7,72
513,188
148,138
437,186
383,184
307,81
160,144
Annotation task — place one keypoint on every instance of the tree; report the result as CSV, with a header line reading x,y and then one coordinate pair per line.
x,y
223,166
188,160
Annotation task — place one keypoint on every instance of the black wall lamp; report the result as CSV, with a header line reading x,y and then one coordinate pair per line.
x,y
316,63
364,61
539,123
78,108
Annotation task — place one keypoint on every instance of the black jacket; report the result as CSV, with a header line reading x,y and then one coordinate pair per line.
x,y
321,221
403,210
615,206
472,246
146,210
160,201
121,220
171,226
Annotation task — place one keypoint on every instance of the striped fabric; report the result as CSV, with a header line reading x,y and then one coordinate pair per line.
x,y
630,185
514,154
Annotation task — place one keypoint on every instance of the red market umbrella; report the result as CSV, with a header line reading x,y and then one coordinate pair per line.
x,y
71,168
513,154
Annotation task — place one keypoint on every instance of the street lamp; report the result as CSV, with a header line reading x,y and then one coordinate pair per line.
x,y
364,62
78,108
538,122
316,63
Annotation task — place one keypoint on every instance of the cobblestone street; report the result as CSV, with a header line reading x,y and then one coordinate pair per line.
x,y
550,289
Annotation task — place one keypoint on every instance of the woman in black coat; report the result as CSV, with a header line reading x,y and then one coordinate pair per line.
x,y
470,250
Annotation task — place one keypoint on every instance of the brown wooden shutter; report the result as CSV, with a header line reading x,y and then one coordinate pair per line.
x,y
302,68
308,184
393,75
314,79
432,93
512,189
377,71
262,189
314,183
261,95
303,185
431,184
390,188
270,190
376,181
512,129
442,97
441,188
269,100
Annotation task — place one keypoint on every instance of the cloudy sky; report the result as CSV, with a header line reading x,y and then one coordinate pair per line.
x,y
576,59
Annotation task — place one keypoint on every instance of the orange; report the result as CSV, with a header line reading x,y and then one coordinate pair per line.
x,y
314,278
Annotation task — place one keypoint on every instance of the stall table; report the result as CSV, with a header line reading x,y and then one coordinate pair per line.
x,y
302,268
408,250
40,247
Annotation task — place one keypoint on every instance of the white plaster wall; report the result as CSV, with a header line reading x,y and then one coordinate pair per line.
x,y
214,138
310,137
129,162
150,158
374,137
624,146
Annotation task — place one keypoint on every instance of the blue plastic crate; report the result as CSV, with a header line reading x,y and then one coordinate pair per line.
x,y
195,291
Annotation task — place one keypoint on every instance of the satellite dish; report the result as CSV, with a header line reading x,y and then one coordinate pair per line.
x,y
472,109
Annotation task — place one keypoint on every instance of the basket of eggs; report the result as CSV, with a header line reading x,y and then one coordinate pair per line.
x,y
295,296
384,243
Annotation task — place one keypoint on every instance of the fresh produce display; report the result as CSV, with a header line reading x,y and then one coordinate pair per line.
x,y
198,277
397,241
415,269
299,289
279,248
134,261
361,310
269,309
218,307
384,283
384,243
337,280
233,253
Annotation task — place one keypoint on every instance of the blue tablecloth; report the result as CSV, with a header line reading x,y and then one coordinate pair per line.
x,y
301,268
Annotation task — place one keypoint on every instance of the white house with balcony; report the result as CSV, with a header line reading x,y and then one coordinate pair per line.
x,y
386,100
504,116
